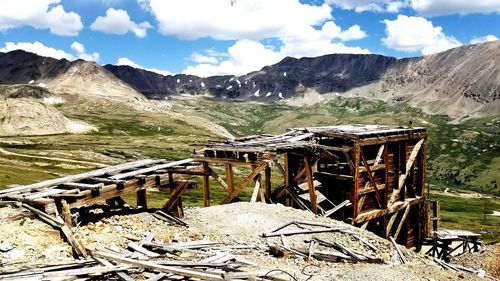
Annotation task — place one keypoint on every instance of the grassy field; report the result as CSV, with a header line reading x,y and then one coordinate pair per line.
x,y
461,156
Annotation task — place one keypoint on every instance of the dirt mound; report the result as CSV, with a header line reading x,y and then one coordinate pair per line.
x,y
31,117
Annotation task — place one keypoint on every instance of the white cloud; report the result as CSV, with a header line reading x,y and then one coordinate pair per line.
x,y
127,61
411,34
234,19
248,55
39,14
42,50
446,7
118,22
483,39
391,6
199,58
37,48
81,54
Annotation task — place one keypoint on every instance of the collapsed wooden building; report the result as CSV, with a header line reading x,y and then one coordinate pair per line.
x,y
368,175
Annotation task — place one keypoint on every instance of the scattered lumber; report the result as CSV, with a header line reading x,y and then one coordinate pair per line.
x,y
168,218
400,254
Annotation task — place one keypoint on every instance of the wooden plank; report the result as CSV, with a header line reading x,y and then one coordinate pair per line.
x,y
403,177
310,183
82,186
66,213
372,180
401,223
150,169
345,203
176,193
168,269
219,179
280,167
245,182
78,177
256,189
369,215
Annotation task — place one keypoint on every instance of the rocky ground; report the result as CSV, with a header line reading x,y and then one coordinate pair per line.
x,y
237,228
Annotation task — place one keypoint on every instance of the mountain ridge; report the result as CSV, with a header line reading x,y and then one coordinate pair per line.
x,y
464,81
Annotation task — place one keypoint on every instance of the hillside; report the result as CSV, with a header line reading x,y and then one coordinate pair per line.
x,y
460,82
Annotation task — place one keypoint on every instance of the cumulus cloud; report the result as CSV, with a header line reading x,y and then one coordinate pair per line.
x,y
296,29
483,39
199,58
411,34
42,50
118,22
447,7
390,6
37,48
234,19
249,55
39,14
81,54
129,62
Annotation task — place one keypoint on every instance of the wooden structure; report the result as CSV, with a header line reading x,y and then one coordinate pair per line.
x,y
443,239
369,175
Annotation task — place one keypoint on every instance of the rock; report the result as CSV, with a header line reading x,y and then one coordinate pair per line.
x,y
14,254
5,246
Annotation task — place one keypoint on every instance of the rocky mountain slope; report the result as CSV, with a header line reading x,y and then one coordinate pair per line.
x,y
460,82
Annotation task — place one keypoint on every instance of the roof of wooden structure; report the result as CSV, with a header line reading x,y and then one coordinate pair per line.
x,y
307,138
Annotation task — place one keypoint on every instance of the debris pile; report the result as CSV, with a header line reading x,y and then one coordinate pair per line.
x,y
239,241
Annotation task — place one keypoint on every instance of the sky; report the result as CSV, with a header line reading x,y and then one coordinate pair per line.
x,y
216,37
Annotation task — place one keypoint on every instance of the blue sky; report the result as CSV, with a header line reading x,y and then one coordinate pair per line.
x,y
209,37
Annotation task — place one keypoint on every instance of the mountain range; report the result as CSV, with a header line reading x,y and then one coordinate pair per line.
x,y
459,82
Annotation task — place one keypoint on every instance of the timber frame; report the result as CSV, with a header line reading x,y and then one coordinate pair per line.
x,y
368,175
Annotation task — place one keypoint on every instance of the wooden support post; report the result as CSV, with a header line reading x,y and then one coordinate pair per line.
x,y
142,198
310,183
267,183
66,213
229,177
435,215
206,185
354,194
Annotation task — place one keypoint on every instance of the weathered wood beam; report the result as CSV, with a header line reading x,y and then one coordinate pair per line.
x,y
245,182
229,177
78,177
150,169
206,186
256,189
403,177
372,180
402,222
219,179
310,183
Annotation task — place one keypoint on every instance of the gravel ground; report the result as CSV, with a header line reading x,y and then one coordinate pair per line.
x,y
487,259
25,240
234,224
